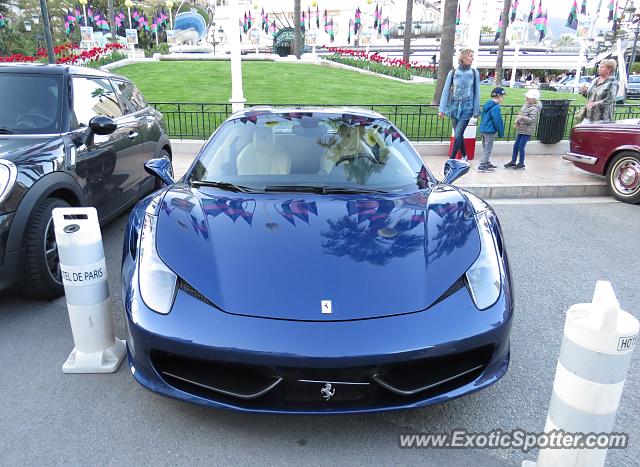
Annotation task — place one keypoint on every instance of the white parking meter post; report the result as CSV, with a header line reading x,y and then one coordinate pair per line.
x,y
84,274
599,339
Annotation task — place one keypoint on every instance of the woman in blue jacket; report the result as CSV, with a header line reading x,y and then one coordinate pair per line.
x,y
491,124
461,99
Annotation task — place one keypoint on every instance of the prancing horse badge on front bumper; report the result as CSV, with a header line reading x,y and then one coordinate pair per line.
x,y
325,305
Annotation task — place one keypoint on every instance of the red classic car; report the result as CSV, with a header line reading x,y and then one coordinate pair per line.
x,y
612,150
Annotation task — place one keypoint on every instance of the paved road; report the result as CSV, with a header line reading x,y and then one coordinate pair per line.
x,y
558,251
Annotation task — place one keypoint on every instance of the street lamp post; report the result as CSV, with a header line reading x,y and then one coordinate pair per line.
x,y
84,10
636,32
128,4
169,4
47,30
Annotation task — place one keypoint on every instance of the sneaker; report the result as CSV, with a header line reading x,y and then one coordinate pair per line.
x,y
482,168
509,164
490,166
519,166
464,158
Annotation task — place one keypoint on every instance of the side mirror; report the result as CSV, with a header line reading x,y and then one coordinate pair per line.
x,y
454,169
98,125
102,125
160,168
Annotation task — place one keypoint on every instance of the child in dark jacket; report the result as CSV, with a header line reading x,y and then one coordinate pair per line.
x,y
491,124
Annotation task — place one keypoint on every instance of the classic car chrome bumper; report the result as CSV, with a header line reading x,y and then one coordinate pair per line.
x,y
573,157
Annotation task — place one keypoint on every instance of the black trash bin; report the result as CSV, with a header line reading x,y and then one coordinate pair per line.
x,y
553,120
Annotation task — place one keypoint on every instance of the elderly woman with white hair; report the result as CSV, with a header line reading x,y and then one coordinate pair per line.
x,y
601,95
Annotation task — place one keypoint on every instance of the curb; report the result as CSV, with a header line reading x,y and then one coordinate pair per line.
x,y
537,191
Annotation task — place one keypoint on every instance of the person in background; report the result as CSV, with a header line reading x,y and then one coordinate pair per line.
x,y
526,122
601,95
461,99
491,123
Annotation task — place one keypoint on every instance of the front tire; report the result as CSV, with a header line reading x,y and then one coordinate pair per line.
x,y
623,177
41,275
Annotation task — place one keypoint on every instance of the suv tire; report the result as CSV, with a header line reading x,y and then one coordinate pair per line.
x,y
41,278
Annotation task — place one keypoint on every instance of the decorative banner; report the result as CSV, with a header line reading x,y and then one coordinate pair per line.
x,y
311,38
132,36
357,22
584,27
517,31
365,38
612,8
255,36
375,18
498,29
514,10
171,36
386,31
583,8
532,11
458,15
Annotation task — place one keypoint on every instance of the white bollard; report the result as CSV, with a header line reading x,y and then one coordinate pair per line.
x,y
84,274
596,351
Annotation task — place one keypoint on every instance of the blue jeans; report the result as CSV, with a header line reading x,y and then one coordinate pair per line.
x,y
518,147
458,138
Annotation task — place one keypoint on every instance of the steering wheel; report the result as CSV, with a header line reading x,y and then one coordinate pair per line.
x,y
351,157
27,120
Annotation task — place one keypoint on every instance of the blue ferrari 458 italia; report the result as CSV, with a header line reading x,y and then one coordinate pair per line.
x,y
309,262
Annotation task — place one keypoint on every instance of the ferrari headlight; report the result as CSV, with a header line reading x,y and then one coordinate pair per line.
x,y
157,281
483,276
8,175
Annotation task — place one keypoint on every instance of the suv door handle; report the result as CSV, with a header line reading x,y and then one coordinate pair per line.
x,y
133,134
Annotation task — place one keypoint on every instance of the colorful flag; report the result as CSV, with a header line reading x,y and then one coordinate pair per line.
x,y
380,21
249,20
349,34
541,22
245,23
330,30
357,22
612,8
583,8
317,16
3,22
302,21
572,19
262,19
533,9
386,31
458,15
499,29
272,29
266,23
309,18
375,18
326,22
514,10
469,9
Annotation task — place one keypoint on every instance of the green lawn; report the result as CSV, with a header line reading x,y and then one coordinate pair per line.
x,y
281,83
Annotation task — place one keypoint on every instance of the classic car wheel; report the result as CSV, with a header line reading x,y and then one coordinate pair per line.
x,y
41,278
623,177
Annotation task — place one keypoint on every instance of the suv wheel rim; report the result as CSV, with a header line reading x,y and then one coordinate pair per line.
x,y
626,176
51,253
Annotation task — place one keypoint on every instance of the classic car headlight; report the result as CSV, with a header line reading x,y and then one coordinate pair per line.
x,y
157,281
8,175
483,276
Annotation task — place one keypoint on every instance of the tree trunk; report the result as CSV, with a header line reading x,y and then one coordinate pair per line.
x,y
112,22
297,41
447,44
503,38
406,51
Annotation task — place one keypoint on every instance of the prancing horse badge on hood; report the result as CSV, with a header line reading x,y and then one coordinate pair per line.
x,y
325,306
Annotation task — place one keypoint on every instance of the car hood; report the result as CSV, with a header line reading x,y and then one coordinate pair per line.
x,y
11,148
282,255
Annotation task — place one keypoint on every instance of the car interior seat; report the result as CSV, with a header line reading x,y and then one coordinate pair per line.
x,y
263,156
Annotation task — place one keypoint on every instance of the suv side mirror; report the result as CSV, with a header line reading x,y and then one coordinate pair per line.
x,y
102,125
160,168
98,125
454,169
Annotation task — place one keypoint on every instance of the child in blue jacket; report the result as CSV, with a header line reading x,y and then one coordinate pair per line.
x,y
491,124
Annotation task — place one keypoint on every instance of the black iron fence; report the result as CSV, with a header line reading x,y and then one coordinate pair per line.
x,y
420,123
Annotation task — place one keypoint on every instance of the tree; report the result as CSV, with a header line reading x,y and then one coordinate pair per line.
x,y
447,41
297,38
486,30
503,38
406,51
566,40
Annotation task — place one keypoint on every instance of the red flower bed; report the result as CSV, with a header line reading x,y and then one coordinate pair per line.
x,y
374,57
65,53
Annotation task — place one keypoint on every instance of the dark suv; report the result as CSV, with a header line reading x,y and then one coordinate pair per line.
x,y
69,136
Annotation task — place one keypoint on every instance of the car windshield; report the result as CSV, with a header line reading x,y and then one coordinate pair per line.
x,y
30,104
634,79
310,149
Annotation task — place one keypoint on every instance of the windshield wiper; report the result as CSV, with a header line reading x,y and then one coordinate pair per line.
x,y
4,131
320,189
223,186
